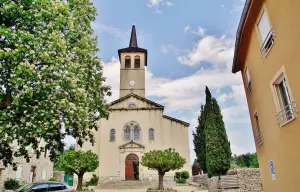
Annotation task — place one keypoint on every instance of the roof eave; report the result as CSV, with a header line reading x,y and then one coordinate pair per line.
x,y
239,35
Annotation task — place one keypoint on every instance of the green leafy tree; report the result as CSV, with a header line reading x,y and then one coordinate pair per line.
x,y
199,141
247,159
50,76
218,152
78,162
254,160
163,161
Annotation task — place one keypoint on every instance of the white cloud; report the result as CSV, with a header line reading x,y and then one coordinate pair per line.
x,y
200,31
169,4
167,48
156,4
111,71
238,6
110,30
153,3
187,28
210,49
176,94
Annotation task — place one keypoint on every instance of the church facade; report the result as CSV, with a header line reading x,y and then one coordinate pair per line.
x,y
136,125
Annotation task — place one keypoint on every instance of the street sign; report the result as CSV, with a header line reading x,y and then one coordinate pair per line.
x,y
272,169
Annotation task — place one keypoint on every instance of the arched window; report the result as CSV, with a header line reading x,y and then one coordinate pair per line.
x,y
127,61
136,133
112,137
127,134
151,134
137,62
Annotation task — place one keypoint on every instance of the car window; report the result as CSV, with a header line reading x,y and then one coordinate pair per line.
x,y
56,187
26,187
40,187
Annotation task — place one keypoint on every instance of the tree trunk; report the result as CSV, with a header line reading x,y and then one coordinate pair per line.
x,y
80,179
161,180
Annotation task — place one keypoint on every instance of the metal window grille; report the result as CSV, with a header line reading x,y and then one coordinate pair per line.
x,y
288,113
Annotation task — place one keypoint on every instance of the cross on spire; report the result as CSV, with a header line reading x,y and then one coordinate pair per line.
x,y
133,39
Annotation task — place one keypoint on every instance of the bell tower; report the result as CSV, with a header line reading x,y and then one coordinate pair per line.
x,y
133,61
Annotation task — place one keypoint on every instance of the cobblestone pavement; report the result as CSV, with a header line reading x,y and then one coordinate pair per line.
x,y
178,188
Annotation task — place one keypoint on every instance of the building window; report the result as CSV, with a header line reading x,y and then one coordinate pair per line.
x,y
19,172
44,174
287,108
127,62
127,134
131,105
136,133
112,137
137,62
257,131
151,134
247,74
267,35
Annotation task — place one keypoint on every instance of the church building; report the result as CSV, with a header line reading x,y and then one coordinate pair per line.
x,y
136,125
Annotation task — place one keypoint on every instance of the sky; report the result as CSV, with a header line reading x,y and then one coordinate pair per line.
x,y
190,45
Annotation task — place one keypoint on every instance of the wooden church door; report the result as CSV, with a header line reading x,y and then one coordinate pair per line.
x,y
129,166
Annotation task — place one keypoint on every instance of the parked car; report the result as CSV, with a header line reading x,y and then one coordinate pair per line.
x,y
46,186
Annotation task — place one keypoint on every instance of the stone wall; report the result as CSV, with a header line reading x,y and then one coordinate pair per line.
x,y
201,179
249,180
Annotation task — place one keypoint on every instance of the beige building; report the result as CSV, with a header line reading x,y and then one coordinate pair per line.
x,y
267,55
136,125
35,171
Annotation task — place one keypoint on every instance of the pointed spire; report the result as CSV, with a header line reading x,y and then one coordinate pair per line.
x,y
133,39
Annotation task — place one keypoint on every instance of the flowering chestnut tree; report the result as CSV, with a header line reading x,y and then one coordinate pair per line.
x,y
50,76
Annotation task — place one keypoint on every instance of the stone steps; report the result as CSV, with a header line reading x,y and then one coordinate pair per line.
x,y
133,184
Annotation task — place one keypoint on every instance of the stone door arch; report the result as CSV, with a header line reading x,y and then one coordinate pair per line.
x,y
132,167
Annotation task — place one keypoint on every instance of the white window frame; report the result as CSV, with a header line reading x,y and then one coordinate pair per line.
x,y
268,42
44,175
280,108
19,172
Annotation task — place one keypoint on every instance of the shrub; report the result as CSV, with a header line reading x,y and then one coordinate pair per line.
x,y
52,179
177,175
93,181
185,174
12,184
181,180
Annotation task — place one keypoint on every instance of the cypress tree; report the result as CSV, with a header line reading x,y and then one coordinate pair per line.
x,y
199,141
218,153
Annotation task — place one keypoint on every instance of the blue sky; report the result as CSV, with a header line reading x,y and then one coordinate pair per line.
x,y
190,45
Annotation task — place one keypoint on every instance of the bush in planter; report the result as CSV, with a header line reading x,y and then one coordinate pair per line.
x,y
181,180
93,181
12,184
177,175
185,174
52,179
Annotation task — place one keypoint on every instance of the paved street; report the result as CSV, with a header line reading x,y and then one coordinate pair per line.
x,y
178,188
